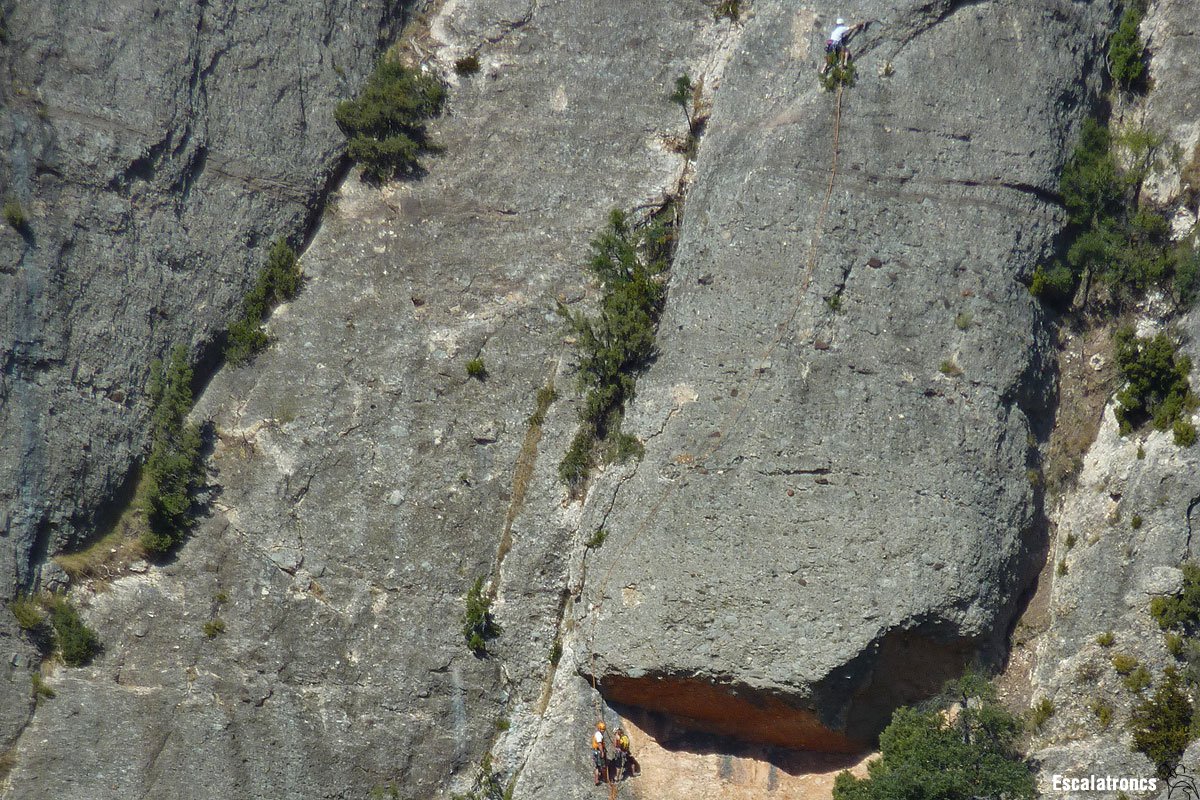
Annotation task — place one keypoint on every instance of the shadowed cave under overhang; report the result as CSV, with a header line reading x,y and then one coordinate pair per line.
x,y
841,714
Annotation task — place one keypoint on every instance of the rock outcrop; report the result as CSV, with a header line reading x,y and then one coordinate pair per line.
x,y
157,151
845,509
838,503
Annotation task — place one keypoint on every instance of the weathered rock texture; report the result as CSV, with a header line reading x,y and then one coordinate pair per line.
x,y
1129,521
157,150
364,479
839,518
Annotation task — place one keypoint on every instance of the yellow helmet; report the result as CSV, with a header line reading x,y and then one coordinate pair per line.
x,y
600,726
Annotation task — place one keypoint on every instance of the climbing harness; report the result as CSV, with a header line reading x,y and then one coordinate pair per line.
x,y
732,420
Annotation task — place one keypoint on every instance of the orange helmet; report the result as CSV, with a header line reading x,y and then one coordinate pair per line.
x,y
600,726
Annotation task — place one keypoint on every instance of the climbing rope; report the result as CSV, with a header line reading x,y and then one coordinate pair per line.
x,y
733,418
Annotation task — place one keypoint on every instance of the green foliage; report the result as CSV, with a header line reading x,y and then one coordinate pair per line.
x,y
1103,712
28,613
545,396
477,623
174,467
836,74
467,65
214,627
77,642
1180,611
950,369
41,688
1137,680
386,122
1106,639
1135,521
279,281
1126,47
933,756
15,215
1176,645
488,784
597,539
1124,247
1062,568
1041,713
963,320
1071,540
1157,388
681,95
1124,663
618,343
476,369
1161,723
556,652
1184,433
728,9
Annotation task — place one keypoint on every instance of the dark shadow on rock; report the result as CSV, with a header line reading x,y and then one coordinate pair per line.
x,y
669,734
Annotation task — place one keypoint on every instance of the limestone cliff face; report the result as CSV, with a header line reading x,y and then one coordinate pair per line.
x,y
157,149
1128,522
834,508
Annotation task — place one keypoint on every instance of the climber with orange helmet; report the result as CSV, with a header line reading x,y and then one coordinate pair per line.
x,y
600,753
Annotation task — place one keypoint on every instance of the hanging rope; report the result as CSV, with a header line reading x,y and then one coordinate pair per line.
x,y
733,418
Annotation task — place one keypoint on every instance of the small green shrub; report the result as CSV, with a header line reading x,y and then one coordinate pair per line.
x,y
41,688
1062,569
503,724
545,397
617,344
28,613
728,9
476,369
1124,663
279,281
963,320
1180,611
1071,540
1162,723
1125,48
1156,381
597,539
214,627
574,468
1141,453
467,65
174,467
950,369
386,122
834,303
556,652
1103,712
488,785
1184,433
1042,711
627,446
1137,680
15,215
1106,639
76,641
478,626
836,75
1176,645
1135,521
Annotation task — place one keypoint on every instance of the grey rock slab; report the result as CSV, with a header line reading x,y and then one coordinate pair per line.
x,y
833,503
